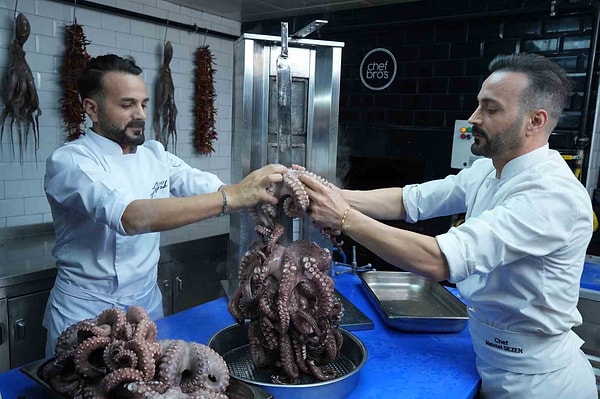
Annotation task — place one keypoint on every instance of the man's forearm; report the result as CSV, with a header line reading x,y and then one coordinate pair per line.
x,y
380,204
405,249
152,215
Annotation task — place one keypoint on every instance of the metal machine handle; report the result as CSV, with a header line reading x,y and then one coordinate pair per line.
x,y
166,284
179,283
20,330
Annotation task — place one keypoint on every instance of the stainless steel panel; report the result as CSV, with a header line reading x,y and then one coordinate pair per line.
x,y
198,272
589,331
410,302
165,283
27,336
4,340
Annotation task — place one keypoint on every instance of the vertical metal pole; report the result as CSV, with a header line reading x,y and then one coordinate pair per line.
x,y
284,124
284,101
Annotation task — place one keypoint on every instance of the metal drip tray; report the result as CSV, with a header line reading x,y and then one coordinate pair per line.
x,y
409,302
232,344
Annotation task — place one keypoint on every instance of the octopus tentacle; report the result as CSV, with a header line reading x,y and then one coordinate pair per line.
x,y
269,332
114,318
88,357
135,314
287,358
145,331
119,377
320,372
145,362
61,375
115,356
215,374
259,356
285,290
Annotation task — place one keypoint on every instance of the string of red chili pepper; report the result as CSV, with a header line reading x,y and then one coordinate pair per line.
x,y
74,61
204,110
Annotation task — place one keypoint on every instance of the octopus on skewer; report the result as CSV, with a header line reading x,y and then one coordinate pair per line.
x,y
116,355
165,110
288,294
21,102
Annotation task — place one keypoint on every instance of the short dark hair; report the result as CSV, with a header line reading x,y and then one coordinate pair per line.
x,y
549,85
90,83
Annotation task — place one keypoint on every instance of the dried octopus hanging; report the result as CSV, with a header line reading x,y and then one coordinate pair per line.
x,y
21,102
74,61
204,108
165,111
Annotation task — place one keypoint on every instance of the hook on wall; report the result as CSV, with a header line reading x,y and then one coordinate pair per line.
x,y
166,29
197,29
74,12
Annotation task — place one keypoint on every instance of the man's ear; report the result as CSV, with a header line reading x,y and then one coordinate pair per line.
x,y
91,108
537,120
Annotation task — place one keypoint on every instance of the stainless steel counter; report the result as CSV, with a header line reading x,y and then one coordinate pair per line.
x,y
26,252
25,260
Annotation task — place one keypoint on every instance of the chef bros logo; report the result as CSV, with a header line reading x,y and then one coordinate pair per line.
x,y
378,69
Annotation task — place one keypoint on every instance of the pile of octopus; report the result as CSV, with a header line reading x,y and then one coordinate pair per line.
x,y
285,293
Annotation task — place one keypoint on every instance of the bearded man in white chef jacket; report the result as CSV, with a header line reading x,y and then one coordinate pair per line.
x,y
111,193
517,259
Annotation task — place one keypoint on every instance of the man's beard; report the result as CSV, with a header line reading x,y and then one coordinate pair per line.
x,y
118,135
501,142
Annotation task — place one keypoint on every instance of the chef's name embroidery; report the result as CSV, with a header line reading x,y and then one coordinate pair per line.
x,y
503,345
159,185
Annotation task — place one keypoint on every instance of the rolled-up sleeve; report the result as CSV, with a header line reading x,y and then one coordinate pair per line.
x,y
530,222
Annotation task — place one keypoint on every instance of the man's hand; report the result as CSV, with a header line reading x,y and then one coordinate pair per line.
x,y
252,190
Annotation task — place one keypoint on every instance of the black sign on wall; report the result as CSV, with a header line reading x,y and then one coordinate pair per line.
x,y
378,69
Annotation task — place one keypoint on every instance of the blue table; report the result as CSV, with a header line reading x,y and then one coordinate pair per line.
x,y
399,365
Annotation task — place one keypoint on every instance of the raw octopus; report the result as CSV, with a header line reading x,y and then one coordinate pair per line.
x,y
165,110
21,102
116,355
287,294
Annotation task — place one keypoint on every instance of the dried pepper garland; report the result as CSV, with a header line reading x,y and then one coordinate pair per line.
x,y
204,109
74,61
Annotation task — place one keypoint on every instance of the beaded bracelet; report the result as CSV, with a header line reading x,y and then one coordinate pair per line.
x,y
344,218
222,190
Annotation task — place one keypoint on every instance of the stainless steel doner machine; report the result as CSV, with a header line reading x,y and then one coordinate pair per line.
x,y
286,104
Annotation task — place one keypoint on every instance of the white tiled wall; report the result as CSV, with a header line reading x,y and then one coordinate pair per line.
x,y
22,200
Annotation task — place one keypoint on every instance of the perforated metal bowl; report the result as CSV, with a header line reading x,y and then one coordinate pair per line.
x,y
232,343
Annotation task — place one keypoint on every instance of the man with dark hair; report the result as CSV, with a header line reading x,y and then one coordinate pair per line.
x,y
518,257
111,193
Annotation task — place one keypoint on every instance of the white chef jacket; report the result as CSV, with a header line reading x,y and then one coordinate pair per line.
x,y
89,182
517,259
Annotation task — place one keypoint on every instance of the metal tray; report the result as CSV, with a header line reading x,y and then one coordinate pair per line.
x,y
409,302
232,343
235,390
